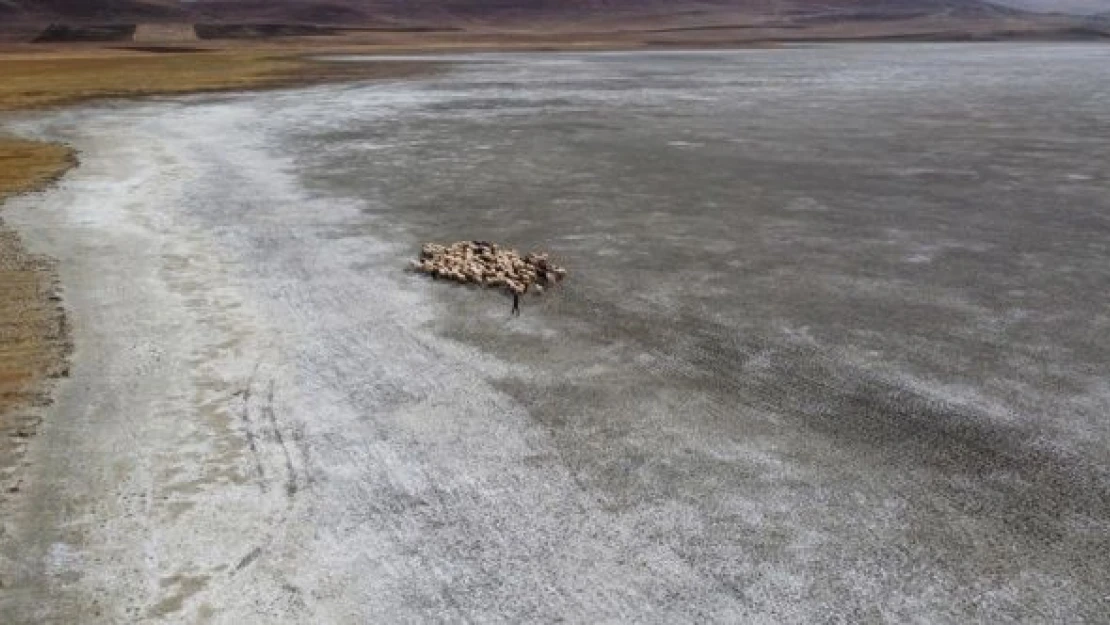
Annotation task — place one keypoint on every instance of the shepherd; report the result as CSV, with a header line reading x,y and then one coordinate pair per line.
x,y
516,304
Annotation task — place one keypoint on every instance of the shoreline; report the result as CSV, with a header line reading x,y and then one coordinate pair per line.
x,y
35,342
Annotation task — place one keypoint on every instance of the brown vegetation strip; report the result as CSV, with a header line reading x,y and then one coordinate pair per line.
x,y
35,82
34,342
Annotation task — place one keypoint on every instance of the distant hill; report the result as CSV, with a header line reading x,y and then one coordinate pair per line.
x,y
90,10
453,12
500,11
659,22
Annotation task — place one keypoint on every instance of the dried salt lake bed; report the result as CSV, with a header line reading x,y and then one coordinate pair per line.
x,y
833,347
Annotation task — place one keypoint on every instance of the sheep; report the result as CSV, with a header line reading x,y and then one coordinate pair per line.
x,y
489,265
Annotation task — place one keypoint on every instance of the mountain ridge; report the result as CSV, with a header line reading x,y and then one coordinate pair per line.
x,y
491,12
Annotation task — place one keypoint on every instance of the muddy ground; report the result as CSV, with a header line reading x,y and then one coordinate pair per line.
x,y
832,347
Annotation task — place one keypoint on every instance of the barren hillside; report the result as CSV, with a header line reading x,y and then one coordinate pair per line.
x,y
446,12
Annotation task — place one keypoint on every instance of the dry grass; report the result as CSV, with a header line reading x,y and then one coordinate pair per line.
x,y
27,165
33,338
38,82
33,83
30,343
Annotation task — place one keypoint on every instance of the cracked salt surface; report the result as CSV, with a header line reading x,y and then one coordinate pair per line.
x,y
749,403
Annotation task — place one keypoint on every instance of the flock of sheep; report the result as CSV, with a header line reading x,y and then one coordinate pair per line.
x,y
487,264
